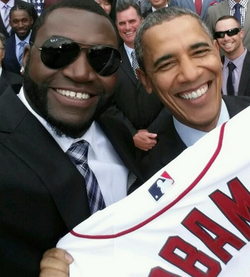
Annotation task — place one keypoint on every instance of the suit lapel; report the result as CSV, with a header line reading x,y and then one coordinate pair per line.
x,y
45,158
245,76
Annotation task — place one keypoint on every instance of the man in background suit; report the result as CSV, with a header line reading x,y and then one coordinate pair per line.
x,y
6,78
229,36
138,110
227,7
43,193
21,23
190,4
10,4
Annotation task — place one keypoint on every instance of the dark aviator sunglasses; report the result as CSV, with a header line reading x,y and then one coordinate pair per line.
x,y
59,52
230,33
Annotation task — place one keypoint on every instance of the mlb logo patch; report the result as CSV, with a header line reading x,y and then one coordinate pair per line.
x,y
161,185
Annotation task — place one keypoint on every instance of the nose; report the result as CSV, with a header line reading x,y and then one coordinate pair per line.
x,y
80,70
189,70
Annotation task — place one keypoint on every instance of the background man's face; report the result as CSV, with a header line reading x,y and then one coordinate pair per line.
x,y
127,23
21,23
183,67
157,4
68,97
229,44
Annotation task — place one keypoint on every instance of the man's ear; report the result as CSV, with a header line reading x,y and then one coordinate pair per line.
x,y
145,80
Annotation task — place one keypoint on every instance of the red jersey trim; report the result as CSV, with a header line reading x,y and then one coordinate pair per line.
x,y
192,185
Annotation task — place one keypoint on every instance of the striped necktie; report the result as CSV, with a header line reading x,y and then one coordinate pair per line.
x,y
78,153
6,19
21,45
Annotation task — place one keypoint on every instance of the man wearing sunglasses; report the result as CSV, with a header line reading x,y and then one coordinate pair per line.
x,y
236,59
61,159
238,8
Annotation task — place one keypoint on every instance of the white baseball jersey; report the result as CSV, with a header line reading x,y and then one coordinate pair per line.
x,y
192,218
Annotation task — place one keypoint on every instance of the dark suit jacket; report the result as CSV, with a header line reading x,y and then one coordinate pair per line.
x,y
43,195
8,78
170,144
134,106
10,61
30,8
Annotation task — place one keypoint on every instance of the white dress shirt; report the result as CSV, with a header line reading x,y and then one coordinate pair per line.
x,y
110,172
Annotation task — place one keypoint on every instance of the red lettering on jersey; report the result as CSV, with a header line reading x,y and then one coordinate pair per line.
x,y
199,224
186,257
159,272
236,209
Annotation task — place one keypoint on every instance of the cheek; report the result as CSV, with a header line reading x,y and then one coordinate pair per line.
x,y
108,84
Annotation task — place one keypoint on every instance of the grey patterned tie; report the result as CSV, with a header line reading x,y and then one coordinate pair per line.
x,y
6,19
134,63
78,153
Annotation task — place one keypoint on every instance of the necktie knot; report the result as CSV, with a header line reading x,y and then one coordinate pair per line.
x,y
135,64
38,5
231,66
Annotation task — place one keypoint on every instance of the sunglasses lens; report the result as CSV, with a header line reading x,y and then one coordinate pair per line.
x,y
219,34
104,60
232,32
59,52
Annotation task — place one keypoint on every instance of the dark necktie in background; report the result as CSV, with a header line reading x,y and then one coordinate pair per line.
x,y
230,87
237,13
78,153
135,64
198,6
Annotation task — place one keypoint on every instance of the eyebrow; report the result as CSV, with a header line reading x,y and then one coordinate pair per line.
x,y
169,56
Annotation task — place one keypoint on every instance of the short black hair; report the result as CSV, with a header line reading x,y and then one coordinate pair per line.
x,y
19,8
87,5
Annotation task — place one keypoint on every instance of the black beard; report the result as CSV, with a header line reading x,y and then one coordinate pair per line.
x,y
38,99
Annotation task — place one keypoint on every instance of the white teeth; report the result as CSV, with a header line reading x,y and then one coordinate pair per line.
x,y
72,94
195,94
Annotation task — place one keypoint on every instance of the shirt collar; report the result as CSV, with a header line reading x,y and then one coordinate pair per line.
x,y
237,61
11,4
232,3
190,135
27,39
154,9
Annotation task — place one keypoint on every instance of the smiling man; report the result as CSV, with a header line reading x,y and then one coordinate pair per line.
x,y
58,162
236,60
21,23
183,67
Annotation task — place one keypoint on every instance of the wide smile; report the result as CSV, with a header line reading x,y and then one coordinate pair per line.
x,y
73,95
195,94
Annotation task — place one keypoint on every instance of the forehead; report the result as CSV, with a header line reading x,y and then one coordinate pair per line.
x,y
79,25
19,13
226,24
174,36
127,14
